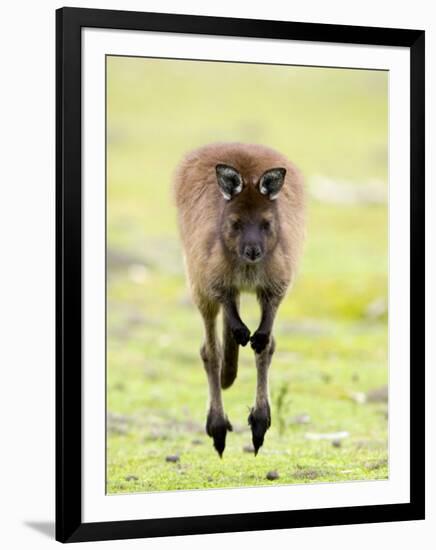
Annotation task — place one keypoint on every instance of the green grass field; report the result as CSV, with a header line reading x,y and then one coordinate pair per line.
x,y
330,368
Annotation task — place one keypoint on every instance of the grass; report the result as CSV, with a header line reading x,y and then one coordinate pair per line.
x,y
330,350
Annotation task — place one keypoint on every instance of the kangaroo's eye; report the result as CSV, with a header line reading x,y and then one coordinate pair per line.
x,y
236,225
265,225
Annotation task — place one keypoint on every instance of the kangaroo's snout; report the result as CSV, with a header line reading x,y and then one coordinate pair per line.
x,y
252,253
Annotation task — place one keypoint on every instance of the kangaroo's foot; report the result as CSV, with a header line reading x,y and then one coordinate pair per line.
x,y
217,426
260,420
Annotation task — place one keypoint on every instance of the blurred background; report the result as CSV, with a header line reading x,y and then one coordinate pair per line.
x,y
329,374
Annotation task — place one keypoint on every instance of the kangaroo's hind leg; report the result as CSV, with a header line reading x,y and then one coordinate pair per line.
x,y
263,345
217,424
260,415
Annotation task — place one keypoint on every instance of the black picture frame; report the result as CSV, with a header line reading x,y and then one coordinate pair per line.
x,y
69,525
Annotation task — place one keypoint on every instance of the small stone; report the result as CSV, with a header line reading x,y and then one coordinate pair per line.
x,y
248,449
172,458
131,478
272,475
197,442
336,443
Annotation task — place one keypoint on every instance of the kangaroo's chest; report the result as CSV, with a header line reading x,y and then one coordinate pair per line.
x,y
248,277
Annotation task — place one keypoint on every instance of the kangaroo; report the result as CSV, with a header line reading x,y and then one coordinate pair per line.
x,y
241,221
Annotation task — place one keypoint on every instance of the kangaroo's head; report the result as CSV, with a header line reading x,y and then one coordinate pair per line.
x,y
250,223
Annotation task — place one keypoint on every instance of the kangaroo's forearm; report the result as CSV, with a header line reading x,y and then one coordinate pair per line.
x,y
232,313
269,305
240,332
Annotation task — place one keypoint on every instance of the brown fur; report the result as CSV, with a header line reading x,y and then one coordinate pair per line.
x,y
215,272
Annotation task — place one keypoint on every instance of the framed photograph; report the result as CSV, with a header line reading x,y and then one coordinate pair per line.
x,y
240,274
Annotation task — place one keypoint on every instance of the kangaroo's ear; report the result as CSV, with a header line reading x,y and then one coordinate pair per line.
x,y
271,182
229,181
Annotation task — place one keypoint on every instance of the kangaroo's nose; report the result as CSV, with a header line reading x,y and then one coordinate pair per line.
x,y
252,252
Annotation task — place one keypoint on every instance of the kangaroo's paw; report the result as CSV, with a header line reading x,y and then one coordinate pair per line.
x,y
259,341
260,420
241,335
217,427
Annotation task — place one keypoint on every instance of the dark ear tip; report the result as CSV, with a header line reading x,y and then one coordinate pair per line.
x,y
280,170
